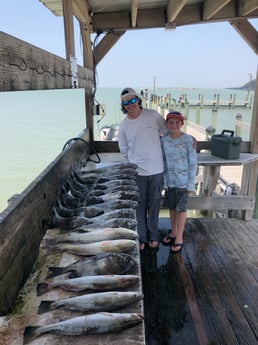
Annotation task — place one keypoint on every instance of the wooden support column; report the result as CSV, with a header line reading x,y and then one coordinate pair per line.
x,y
81,12
254,121
68,28
89,62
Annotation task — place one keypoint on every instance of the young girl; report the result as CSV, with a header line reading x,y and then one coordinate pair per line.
x,y
180,166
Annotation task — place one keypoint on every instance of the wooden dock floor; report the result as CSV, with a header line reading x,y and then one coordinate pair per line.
x,y
209,293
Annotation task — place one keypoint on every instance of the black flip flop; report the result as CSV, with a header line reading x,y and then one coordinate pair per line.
x,y
177,245
169,241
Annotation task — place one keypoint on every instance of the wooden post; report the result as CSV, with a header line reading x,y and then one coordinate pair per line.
x,y
238,126
254,122
68,28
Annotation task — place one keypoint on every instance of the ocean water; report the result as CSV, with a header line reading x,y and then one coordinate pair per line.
x,y
35,125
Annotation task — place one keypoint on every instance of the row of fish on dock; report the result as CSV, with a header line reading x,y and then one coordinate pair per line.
x,y
93,222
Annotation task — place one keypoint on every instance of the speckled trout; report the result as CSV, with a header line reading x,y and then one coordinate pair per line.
x,y
98,323
100,301
67,223
93,236
90,283
113,246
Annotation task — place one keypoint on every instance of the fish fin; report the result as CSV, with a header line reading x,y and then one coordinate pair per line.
x,y
74,274
55,271
44,306
29,334
42,288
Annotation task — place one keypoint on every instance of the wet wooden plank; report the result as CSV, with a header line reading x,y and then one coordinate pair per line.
x,y
214,284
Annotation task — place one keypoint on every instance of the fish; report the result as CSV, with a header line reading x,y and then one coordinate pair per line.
x,y
83,211
89,249
68,223
112,189
116,182
90,283
92,236
70,201
98,323
118,204
109,263
112,169
90,179
100,191
100,301
99,183
79,189
126,195
93,211
112,223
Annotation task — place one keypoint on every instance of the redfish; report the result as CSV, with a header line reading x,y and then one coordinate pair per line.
x,y
111,263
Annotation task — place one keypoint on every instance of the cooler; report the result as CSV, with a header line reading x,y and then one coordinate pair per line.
x,y
226,145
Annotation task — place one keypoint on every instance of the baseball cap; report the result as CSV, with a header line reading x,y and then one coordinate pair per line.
x,y
128,91
175,115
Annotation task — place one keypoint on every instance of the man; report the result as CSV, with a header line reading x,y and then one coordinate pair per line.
x,y
139,142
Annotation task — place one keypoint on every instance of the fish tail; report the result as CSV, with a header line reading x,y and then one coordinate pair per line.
x,y
64,231
42,288
50,242
55,271
51,250
44,306
29,334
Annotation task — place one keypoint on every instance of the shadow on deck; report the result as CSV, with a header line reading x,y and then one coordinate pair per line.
x,y
209,293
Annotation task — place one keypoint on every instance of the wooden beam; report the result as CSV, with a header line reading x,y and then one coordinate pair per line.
x,y
68,28
173,8
107,42
247,7
212,7
81,12
247,32
157,18
134,12
219,203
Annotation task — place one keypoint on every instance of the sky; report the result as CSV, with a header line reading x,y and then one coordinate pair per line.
x,y
193,56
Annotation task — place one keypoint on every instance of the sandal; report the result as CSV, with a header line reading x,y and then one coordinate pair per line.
x,y
177,245
168,240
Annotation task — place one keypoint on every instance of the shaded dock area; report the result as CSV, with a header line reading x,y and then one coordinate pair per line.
x,y
209,293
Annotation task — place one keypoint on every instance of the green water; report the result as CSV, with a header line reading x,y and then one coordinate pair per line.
x,y
35,125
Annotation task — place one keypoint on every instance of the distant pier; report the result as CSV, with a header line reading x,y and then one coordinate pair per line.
x,y
183,101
